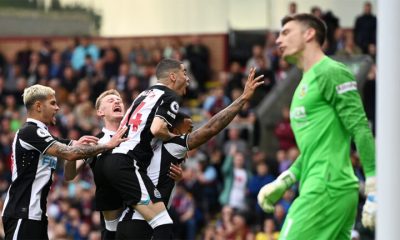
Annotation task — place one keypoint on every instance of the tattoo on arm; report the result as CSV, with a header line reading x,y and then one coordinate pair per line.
x,y
76,152
215,124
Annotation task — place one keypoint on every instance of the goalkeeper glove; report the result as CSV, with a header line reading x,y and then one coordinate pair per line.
x,y
272,192
370,206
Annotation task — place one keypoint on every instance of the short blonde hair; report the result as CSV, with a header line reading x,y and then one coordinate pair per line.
x,y
36,93
104,94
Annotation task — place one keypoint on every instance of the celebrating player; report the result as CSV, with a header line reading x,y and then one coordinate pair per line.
x,y
111,109
173,152
34,159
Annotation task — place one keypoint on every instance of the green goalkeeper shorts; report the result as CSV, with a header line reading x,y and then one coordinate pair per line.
x,y
318,216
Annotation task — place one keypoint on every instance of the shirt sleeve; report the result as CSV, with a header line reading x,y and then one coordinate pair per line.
x,y
341,92
168,109
64,141
177,146
38,138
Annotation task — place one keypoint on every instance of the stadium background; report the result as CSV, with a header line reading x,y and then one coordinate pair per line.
x,y
218,41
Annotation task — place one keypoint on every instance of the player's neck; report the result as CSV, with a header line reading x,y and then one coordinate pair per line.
x,y
111,125
310,57
37,117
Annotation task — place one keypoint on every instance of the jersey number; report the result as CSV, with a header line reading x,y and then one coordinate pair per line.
x,y
135,119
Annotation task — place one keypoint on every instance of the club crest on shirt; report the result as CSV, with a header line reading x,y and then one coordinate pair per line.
x,y
157,193
175,107
303,91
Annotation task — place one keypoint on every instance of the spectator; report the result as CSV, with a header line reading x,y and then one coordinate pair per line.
x,y
215,102
241,228
183,209
225,225
292,8
365,28
283,131
257,181
84,47
56,66
350,48
198,55
257,52
236,178
235,141
369,97
269,232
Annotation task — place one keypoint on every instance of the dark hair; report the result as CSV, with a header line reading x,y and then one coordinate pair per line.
x,y
310,21
180,117
165,66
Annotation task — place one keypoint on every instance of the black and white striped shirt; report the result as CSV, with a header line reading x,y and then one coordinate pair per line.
x,y
158,101
165,153
32,171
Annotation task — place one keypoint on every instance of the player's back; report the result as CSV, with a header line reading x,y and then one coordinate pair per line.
x,y
158,101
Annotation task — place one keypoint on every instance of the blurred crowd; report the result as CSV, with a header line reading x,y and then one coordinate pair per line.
x,y
217,197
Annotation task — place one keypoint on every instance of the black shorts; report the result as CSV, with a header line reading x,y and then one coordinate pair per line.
x,y
133,229
107,197
132,184
15,228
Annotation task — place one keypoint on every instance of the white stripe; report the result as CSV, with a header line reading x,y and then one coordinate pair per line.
x,y
137,216
42,177
44,151
171,196
176,150
159,116
123,214
14,174
290,222
145,196
27,146
153,171
15,236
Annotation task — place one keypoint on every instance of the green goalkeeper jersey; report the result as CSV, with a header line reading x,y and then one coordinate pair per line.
x,y
326,114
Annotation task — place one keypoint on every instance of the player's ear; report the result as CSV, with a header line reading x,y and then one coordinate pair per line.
x,y
100,113
172,76
38,106
310,34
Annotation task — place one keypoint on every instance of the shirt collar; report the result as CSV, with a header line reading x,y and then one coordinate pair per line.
x,y
39,123
107,131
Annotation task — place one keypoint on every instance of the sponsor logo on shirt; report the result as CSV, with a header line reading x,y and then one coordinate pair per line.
x,y
346,87
49,161
298,113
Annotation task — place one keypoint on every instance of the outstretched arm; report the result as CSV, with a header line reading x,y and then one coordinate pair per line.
x,y
223,118
72,153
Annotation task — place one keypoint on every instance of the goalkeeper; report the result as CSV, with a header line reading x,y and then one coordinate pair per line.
x,y
326,114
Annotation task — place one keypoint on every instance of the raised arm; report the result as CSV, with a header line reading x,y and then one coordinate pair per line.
x,y
223,118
